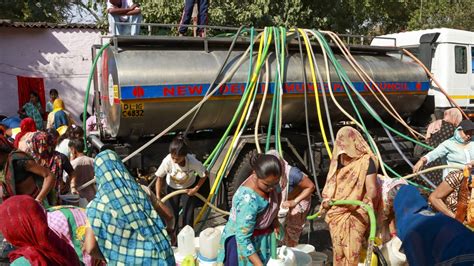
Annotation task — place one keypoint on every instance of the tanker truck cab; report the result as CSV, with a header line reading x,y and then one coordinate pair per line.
x,y
449,54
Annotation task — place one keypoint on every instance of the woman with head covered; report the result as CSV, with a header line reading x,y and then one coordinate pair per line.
x,y
126,230
23,223
352,176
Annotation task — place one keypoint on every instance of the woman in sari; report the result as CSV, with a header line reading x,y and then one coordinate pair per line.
x,y
69,223
126,230
23,139
42,150
352,176
253,217
451,194
33,109
24,224
58,117
21,175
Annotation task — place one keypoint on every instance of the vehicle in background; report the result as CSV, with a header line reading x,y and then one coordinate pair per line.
x,y
449,54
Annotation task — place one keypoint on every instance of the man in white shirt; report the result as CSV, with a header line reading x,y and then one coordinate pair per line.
x,y
124,11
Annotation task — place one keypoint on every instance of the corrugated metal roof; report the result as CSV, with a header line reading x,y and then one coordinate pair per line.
x,y
46,25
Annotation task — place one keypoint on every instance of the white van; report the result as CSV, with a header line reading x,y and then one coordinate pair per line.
x,y
449,53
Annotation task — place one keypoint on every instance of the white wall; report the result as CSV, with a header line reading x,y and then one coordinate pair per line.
x,y
61,56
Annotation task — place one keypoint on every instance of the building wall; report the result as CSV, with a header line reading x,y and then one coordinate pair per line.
x,y
61,56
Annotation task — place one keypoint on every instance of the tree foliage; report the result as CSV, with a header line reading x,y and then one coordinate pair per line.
x,y
343,16
34,11
457,14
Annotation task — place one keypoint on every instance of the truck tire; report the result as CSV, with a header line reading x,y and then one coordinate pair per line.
x,y
237,177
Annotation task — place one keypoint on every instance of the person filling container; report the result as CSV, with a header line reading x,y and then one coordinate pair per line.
x,y
246,238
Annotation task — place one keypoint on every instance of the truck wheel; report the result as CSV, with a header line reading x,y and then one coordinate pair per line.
x,y
237,177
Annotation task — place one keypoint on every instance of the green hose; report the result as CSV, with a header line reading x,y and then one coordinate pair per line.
x,y
213,156
210,161
370,211
270,121
346,81
280,92
273,246
89,81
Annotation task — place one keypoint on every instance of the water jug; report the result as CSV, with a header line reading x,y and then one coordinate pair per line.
x,y
186,241
209,243
392,254
286,257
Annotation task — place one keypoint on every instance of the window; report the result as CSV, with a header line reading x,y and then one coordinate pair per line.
x,y
472,58
460,59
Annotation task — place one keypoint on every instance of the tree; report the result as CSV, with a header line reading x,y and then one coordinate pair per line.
x,y
458,14
54,11
34,11
343,16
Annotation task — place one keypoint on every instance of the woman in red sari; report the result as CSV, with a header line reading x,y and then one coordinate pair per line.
x,y
23,139
23,223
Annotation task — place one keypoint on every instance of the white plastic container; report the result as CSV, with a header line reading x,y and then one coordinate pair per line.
x,y
391,252
282,214
186,242
203,262
306,248
209,243
220,228
286,257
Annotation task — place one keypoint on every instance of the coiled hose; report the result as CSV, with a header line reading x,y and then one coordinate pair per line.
x,y
199,196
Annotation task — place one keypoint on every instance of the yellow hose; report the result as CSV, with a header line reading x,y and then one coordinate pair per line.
x,y
361,73
328,76
316,95
199,196
260,111
234,139
434,168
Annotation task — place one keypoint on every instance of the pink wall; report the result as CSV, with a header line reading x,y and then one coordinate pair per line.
x,y
61,56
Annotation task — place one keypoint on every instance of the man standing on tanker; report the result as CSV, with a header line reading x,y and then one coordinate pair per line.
x,y
203,6
124,11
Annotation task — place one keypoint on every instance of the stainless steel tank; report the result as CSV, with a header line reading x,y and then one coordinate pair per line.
x,y
146,86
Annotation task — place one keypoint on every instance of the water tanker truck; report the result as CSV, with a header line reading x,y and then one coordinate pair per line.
x,y
146,83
